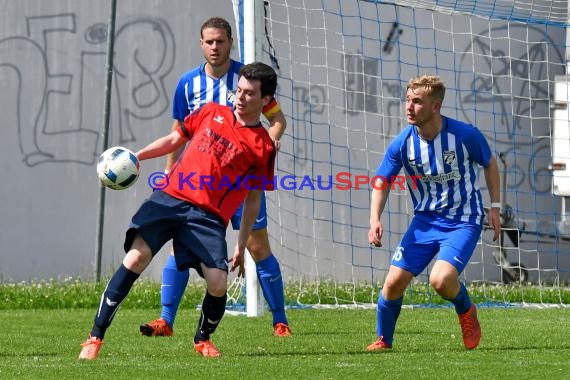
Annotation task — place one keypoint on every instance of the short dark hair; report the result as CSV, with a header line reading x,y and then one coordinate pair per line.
x,y
262,72
216,23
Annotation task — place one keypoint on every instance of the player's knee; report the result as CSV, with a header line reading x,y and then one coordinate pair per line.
x,y
393,288
259,253
443,277
437,284
217,290
137,261
258,247
441,283
216,281
139,255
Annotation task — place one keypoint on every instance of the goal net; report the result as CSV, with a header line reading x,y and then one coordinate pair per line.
x,y
343,67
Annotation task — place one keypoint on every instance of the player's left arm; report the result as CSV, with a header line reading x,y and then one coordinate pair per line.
x,y
251,207
277,122
493,184
480,152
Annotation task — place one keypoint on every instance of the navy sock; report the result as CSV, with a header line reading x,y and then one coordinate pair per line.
x,y
213,309
387,314
271,282
117,289
174,283
461,301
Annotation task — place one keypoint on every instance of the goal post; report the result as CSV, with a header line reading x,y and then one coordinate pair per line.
x,y
343,67
249,14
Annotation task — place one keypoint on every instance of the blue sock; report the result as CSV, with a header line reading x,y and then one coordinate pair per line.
x,y
174,283
387,314
117,289
461,301
269,276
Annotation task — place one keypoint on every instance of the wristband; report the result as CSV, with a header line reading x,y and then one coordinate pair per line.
x,y
496,205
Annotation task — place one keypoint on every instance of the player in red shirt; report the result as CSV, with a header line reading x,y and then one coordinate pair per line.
x,y
220,145
215,80
225,145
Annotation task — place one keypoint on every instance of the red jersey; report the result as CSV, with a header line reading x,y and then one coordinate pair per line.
x,y
222,161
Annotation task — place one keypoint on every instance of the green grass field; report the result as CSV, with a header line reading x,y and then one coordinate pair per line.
x,y
45,323
327,344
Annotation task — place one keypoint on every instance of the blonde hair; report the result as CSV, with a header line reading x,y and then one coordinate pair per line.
x,y
434,87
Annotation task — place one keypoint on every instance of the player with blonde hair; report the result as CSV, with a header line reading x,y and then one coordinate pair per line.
x,y
442,156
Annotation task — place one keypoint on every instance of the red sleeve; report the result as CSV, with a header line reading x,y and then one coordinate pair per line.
x,y
192,121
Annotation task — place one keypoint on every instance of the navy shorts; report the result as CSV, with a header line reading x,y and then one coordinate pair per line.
x,y
428,236
198,236
260,221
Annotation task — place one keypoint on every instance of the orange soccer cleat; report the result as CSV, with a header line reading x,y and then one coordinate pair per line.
x,y
470,328
207,349
281,329
158,327
90,348
379,345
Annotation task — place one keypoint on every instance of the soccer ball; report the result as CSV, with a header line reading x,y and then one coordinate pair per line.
x,y
118,168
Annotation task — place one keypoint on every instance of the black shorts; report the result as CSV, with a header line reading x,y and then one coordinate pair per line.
x,y
198,236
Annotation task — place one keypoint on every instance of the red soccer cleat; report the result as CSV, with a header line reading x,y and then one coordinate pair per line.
x,y
281,329
470,328
379,345
207,349
158,327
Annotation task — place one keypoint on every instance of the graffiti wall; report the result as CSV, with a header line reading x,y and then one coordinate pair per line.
x,y
341,88
52,75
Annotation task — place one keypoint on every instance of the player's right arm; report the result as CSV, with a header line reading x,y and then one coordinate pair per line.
x,y
380,193
162,146
173,156
390,166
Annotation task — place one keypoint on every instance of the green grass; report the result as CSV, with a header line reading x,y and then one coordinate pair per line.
x,y
44,323
327,344
77,293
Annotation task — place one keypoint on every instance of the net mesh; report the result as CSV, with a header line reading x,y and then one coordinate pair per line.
x,y
343,67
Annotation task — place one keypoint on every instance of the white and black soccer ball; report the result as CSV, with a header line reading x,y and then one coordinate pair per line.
x,y
118,168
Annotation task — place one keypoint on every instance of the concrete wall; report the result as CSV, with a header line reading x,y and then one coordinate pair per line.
x,y
52,75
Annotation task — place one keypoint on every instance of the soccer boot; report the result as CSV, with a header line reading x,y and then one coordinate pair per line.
x,y
470,328
158,327
281,329
90,348
379,345
207,349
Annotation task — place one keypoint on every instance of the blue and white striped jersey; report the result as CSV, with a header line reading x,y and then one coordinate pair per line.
x,y
195,88
442,174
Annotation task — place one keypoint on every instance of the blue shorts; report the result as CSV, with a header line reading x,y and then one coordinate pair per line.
x,y
198,236
430,234
260,221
